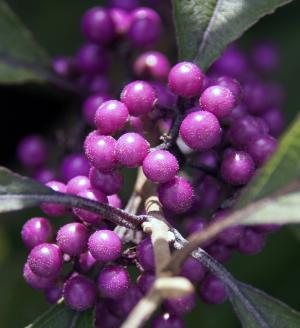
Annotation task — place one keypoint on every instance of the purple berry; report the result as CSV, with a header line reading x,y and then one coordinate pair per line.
x,y
218,100
111,116
145,256
185,79
109,183
104,318
74,165
265,56
86,261
167,320
97,25
252,242
72,238
121,20
200,130
180,305
105,245
131,149
55,209
45,260
113,281
165,98
237,168
145,27
64,66
256,97
44,175
192,270
195,225
152,64
79,293
100,151
115,201
85,215
275,121
36,231
145,281
90,106
35,281
78,184
232,84
92,59
54,292
32,151
160,166
220,252
139,97
212,290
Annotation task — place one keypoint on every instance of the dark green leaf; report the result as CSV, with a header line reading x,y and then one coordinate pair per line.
x,y
21,58
274,313
205,27
60,316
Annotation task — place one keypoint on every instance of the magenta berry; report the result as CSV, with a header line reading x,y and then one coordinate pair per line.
x,y
72,238
192,270
139,97
36,231
54,292
212,290
145,255
111,116
131,149
121,20
232,84
160,166
115,201
274,120
237,168
252,242
176,195
35,281
90,106
113,281
45,260
78,184
55,209
145,281
109,183
105,245
74,165
32,151
180,305
100,151
218,100
185,79
79,293
200,130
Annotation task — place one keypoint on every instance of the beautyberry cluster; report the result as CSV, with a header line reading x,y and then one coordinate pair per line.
x,y
198,138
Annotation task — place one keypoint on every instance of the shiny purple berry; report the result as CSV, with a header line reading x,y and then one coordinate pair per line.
x,y
55,209
78,184
90,106
35,281
145,281
86,261
121,20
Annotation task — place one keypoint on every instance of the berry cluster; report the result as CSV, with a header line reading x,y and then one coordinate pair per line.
x,y
198,137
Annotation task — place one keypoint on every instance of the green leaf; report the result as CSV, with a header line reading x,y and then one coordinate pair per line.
x,y
273,313
21,58
282,169
60,316
205,27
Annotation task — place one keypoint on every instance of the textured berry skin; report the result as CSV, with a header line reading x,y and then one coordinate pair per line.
x,y
185,79
92,59
193,270
139,97
78,184
115,201
176,195
152,64
111,116
261,149
244,129
55,209
160,166
200,130
35,281
72,238
121,20
45,260
218,100
86,261
180,305
79,293
100,151
145,27
113,281
74,165
85,215
32,151
54,292
36,231
167,321
97,25
145,281
109,183
232,84
145,256
131,149
275,120
237,168
90,106
105,245
252,242
212,290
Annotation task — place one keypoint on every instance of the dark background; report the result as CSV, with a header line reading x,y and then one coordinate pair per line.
x,y
31,109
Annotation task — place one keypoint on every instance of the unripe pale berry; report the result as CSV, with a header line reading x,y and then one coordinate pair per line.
x,y
139,97
105,245
185,79
200,130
